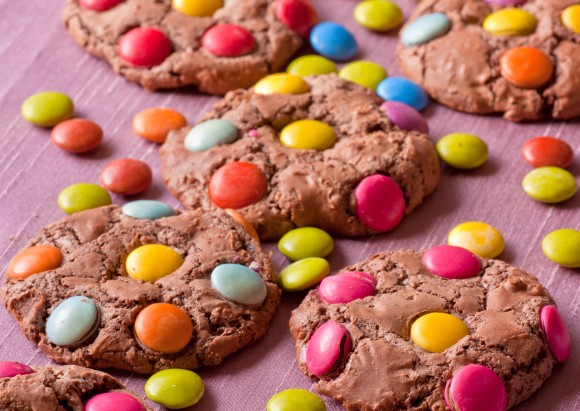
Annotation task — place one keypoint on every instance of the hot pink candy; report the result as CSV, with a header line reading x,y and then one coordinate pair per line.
x,y
144,47
113,401
556,332
328,348
475,388
405,117
228,40
449,261
380,204
346,287
99,5
12,369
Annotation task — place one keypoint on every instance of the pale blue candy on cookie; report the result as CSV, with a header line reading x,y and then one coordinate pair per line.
x,y
147,209
425,29
210,134
239,283
72,321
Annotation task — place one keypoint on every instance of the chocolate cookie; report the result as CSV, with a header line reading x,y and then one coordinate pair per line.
x,y
324,154
57,388
487,56
105,290
429,331
214,45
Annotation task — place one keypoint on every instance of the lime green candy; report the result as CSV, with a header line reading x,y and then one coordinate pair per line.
x,y
82,196
311,65
378,15
306,242
303,274
563,247
549,184
175,388
365,73
461,150
47,109
295,399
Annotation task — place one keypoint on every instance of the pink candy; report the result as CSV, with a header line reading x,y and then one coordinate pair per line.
x,y
380,204
346,287
113,401
475,388
228,40
449,261
299,15
12,369
144,47
556,332
328,348
405,117
506,3
99,5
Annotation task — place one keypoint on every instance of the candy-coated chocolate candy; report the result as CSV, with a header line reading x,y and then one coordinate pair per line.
x,y
209,134
241,220
99,5
462,150
281,83
152,261
77,135
563,247
12,369
155,123
311,65
228,40
476,388
480,238
425,28
82,196
126,176
198,8
547,151
306,242
308,135
147,209
378,15
47,109
303,274
299,15
34,260
236,185
404,91
114,401
556,332
405,116
506,3
163,327
380,204
333,41
365,73
526,67
239,283
175,388
571,18
345,287
295,399
436,332
549,184
510,22
144,47
328,348
449,261
72,321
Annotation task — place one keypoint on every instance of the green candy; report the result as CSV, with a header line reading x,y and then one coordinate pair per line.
x,y
311,65
306,242
549,184
303,274
365,73
83,196
461,150
175,388
47,109
563,247
295,399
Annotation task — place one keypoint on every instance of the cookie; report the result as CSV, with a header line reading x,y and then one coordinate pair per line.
x,y
56,388
104,290
326,156
213,45
389,333
489,56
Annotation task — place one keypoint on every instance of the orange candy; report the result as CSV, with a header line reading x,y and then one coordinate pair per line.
x,y
154,124
526,67
34,260
237,185
241,220
163,327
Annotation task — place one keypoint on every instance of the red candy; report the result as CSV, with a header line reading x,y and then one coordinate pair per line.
x,y
449,261
12,369
547,151
77,135
380,204
299,15
144,47
126,176
228,40
556,332
99,5
237,185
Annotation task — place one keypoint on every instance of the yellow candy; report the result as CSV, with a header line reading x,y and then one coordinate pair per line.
x,y
308,135
282,83
510,22
480,238
378,15
311,65
435,332
306,242
152,262
571,18
198,8
365,73
303,274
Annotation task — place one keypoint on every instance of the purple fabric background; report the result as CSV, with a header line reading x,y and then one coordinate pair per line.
x,y
36,54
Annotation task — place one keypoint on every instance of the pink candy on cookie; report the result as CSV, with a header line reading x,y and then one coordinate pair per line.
x,y
12,369
380,203
328,348
346,287
451,262
556,331
113,401
475,388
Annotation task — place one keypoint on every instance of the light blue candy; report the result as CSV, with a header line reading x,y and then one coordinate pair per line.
x,y
333,41
147,209
425,28
209,134
404,91
72,321
237,282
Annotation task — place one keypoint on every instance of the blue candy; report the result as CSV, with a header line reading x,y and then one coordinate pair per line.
x,y
147,209
333,41
210,134
404,91
72,321
237,282
425,28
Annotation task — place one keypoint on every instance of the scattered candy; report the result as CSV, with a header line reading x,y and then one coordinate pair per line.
x,y
556,332
476,388
164,328
526,67
404,91
237,185
147,209
34,260
405,117
563,247
306,242
77,135
549,184
99,5
311,65
308,135
299,15
209,134
365,73
328,348
144,47
239,283
198,8
72,321
436,332
510,22
82,196
126,176
174,388
113,401
281,83
380,204
155,123
295,399
571,18
451,262
303,274
425,29
12,369
241,220
333,41
228,40
152,261
378,15
547,151
345,287
462,150
47,109
480,238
